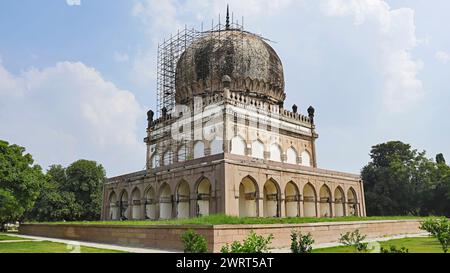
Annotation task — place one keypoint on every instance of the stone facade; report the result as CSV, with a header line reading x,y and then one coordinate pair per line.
x,y
233,149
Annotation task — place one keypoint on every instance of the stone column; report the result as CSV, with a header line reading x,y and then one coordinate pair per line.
x,y
317,209
282,206
300,207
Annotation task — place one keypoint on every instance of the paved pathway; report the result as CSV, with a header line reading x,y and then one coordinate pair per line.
x,y
90,244
380,239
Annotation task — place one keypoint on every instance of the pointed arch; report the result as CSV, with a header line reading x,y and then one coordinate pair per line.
x,y
203,196
113,209
248,193
306,159
339,202
291,155
168,158
309,200
271,198
182,153
238,145
155,160
136,204
258,149
183,198
123,205
325,201
165,201
275,152
292,199
352,202
199,149
150,203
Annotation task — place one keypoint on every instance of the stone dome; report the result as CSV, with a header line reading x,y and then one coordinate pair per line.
x,y
252,66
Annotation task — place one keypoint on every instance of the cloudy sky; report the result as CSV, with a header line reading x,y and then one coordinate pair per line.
x,y
77,76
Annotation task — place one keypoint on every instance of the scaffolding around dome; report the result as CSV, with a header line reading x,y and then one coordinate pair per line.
x,y
170,52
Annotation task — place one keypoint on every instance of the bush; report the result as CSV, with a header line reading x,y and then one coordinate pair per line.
x,y
253,244
194,242
354,239
301,243
440,229
394,249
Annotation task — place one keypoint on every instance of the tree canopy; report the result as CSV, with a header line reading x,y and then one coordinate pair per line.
x,y
402,181
20,182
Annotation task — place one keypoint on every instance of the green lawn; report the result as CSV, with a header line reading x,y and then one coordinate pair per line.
x,y
231,220
414,245
46,247
4,237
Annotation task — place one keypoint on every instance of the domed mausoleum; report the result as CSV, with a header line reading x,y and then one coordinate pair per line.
x,y
222,141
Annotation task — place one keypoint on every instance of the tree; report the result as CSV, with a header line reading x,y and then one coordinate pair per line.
x,y
20,181
85,180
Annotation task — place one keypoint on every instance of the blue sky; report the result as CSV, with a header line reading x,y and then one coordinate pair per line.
x,y
77,76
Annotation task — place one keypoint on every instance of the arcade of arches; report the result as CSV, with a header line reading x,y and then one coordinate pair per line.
x,y
264,199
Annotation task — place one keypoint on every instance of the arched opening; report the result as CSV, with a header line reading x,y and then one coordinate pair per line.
x,y
183,200
199,149
123,206
271,201
292,198
258,149
113,209
182,153
168,158
155,160
165,202
352,203
238,145
150,204
291,156
306,159
325,201
275,152
248,198
136,204
339,202
309,201
216,146
203,197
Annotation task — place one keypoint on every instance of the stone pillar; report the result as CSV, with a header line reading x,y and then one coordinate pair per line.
x,y
332,209
260,205
142,210
130,208
300,207
317,209
282,206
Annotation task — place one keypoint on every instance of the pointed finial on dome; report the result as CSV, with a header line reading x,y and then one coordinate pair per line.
x,y
227,25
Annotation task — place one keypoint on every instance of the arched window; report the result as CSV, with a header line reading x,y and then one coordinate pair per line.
x,y
306,159
275,152
182,153
291,156
168,158
155,160
199,150
258,149
238,145
216,146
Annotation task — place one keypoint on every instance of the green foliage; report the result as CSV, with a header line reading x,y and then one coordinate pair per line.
x,y
301,243
440,229
20,181
402,181
354,239
253,244
194,242
70,194
394,249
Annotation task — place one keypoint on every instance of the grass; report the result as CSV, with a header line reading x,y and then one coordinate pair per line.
x,y
47,247
414,245
220,219
5,237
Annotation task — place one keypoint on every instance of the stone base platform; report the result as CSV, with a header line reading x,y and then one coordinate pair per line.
x,y
168,237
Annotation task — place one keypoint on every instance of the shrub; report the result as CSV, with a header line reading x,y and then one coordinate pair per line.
x,y
394,249
301,243
354,239
253,244
194,242
440,229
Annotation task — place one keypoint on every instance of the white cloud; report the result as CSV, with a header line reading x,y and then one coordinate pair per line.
x,y
121,57
67,112
395,30
443,57
73,2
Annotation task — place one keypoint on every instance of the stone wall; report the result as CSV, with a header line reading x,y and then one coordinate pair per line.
x,y
168,237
